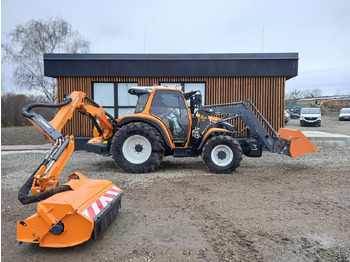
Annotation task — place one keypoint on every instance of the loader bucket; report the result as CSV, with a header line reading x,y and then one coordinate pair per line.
x,y
299,144
72,217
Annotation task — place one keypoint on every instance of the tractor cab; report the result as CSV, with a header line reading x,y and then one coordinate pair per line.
x,y
169,106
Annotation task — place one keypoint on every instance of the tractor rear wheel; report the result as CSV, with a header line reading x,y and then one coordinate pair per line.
x,y
137,148
222,154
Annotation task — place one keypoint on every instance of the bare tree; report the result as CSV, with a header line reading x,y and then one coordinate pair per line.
x,y
11,108
339,92
294,95
312,93
27,44
297,94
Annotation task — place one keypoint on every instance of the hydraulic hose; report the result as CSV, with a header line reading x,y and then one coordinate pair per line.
x,y
27,108
111,118
23,196
25,200
24,191
97,105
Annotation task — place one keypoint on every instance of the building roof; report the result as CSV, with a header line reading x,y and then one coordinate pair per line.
x,y
171,65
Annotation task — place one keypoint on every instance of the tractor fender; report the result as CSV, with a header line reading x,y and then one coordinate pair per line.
x,y
151,121
224,125
213,132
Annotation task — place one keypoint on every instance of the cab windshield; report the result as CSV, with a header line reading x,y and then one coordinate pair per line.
x,y
345,111
141,103
311,111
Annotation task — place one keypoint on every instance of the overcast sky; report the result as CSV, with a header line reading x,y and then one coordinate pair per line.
x,y
318,30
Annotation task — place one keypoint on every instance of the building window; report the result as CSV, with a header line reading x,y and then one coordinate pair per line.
x,y
126,102
196,86
103,94
114,98
188,87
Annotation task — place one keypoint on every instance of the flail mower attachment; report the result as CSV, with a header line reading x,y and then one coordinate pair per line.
x,y
298,143
69,214
74,216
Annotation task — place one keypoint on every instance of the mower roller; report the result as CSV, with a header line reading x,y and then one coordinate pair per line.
x,y
72,213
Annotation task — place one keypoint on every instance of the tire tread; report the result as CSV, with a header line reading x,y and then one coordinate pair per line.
x,y
146,130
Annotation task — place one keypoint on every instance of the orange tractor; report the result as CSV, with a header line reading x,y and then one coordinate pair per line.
x,y
163,124
166,122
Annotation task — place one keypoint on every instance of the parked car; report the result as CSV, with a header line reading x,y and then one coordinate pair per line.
x,y
286,116
344,114
293,115
310,116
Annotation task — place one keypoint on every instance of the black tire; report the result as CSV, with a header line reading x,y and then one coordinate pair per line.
x,y
228,157
147,141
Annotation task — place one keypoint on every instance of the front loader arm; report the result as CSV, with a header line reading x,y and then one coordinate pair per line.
x,y
287,141
243,111
45,178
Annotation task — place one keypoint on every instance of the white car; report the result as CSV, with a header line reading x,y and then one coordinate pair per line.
x,y
344,114
286,116
310,116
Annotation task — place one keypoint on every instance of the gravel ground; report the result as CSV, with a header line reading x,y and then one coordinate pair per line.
x,y
273,208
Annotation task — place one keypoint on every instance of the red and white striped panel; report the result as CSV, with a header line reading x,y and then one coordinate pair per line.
x,y
93,210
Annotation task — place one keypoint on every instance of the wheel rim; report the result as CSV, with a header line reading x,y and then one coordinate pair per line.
x,y
137,149
222,155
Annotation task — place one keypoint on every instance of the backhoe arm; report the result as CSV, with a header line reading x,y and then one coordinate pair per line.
x,y
46,176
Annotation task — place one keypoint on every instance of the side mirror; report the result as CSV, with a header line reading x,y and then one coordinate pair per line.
x,y
198,100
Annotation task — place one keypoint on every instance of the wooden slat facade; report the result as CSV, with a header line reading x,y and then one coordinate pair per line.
x,y
267,93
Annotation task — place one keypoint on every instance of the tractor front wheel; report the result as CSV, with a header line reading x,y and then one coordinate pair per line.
x,y
137,148
222,154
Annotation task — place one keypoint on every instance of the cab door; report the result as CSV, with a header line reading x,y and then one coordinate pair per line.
x,y
170,106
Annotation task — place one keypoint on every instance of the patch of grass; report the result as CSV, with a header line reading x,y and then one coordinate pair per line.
x,y
22,135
